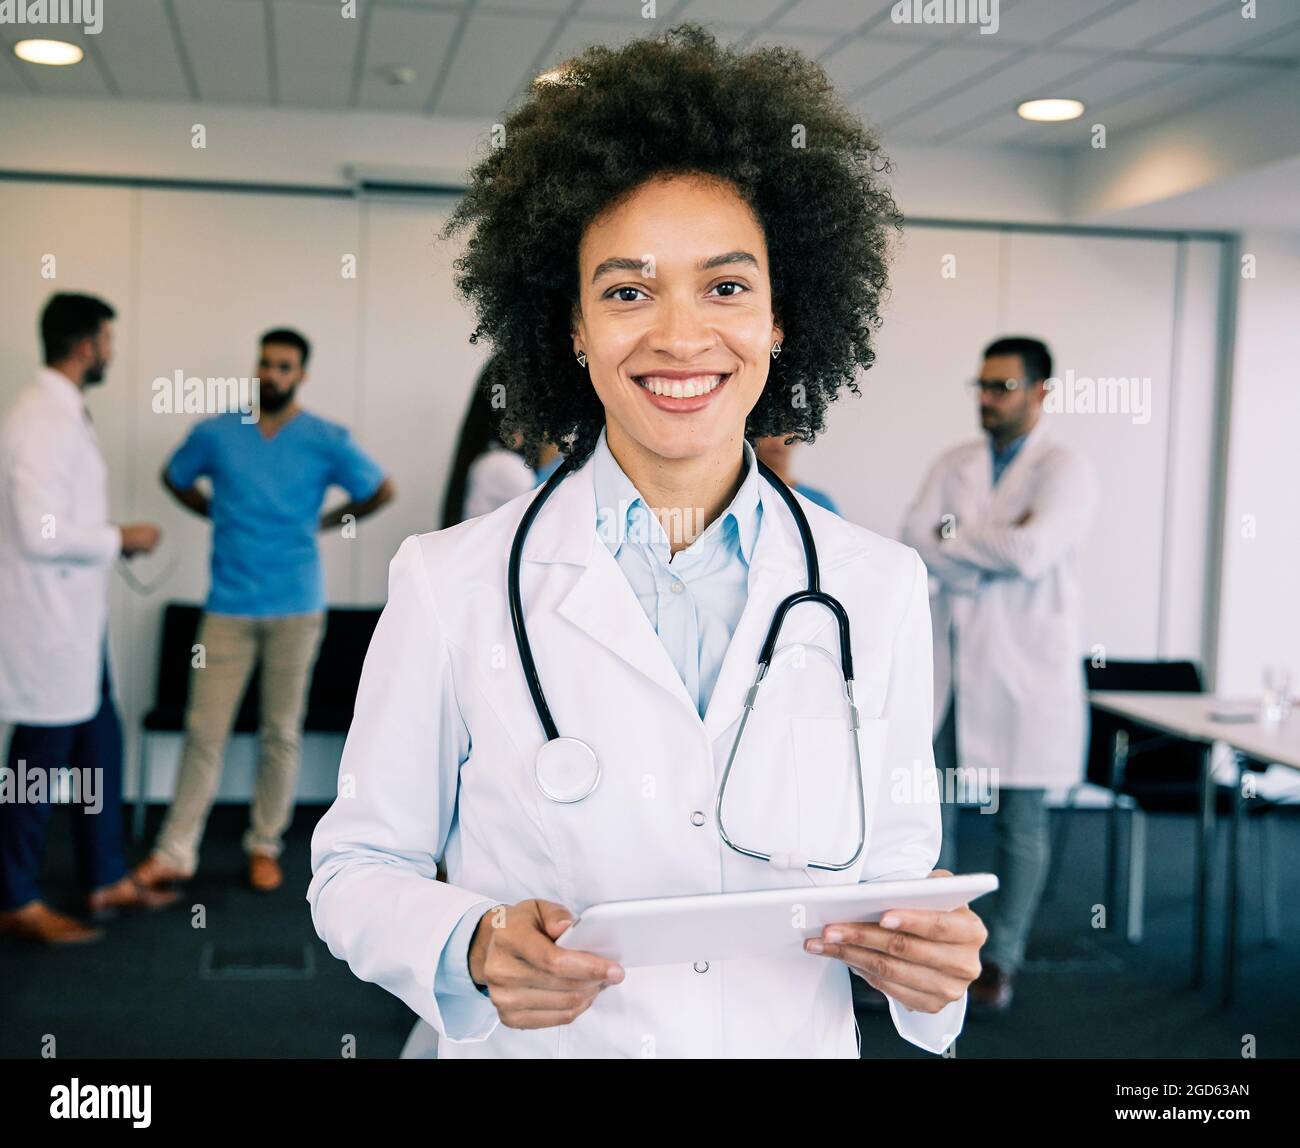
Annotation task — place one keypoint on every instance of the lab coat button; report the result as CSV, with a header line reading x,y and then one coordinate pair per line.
x,y
677,587
698,818
701,966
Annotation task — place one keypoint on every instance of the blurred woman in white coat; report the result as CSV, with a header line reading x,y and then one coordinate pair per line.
x,y
485,472
664,277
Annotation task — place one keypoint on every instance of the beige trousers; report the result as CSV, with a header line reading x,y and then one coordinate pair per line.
x,y
233,644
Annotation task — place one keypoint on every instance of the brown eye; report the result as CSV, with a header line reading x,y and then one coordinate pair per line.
x,y
730,283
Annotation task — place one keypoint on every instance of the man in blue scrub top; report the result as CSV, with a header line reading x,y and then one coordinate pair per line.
x,y
266,601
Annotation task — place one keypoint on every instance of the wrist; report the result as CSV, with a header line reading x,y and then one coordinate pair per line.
x,y
478,948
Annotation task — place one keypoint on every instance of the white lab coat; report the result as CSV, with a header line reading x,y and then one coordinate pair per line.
x,y
56,549
439,763
1007,606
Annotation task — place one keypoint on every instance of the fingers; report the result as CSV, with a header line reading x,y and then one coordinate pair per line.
x,y
552,966
939,985
541,1008
947,926
955,959
532,981
554,918
921,1002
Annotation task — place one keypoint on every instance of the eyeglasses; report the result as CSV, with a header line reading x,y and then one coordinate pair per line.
x,y
997,386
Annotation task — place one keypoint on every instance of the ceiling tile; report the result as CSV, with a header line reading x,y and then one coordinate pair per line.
x,y
834,15
578,35
1285,46
1195,85
527,7
140,51
753,11
927,79
494,56
414,37
1033,21
1137,24
863,60
315,51
1226,34
226,44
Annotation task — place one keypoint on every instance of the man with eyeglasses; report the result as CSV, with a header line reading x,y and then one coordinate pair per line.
x,y
1000,522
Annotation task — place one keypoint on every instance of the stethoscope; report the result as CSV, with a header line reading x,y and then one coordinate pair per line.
x,y
566,768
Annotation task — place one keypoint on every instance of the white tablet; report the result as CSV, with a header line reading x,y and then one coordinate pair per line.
x,y
762,923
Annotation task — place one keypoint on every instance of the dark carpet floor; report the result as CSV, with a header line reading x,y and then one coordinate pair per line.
x,y
256,982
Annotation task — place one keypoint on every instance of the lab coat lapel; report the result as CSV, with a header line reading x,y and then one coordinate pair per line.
x,y
778,570
1009,485
600,602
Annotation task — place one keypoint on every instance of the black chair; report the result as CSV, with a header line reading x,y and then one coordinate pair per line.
x,y
330,698
1159,773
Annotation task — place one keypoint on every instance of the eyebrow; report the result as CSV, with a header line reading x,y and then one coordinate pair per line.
x,y
623,263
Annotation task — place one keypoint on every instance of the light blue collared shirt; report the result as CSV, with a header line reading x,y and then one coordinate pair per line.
x,y
1002,458
693,600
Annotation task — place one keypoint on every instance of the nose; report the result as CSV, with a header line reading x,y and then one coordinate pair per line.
x,y
680,330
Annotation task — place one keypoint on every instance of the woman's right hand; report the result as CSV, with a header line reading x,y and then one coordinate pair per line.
x,y
532,981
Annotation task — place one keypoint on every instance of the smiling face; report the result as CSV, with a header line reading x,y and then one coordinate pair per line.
x,y
676,317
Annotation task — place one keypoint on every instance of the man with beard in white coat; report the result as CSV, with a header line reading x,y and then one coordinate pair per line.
x,y
999,523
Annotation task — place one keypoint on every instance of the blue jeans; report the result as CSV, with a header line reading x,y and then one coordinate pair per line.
x,y
1023,856
97,836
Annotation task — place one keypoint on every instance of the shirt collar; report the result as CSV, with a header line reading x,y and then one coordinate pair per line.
x,y
617,500
1008,451
63,389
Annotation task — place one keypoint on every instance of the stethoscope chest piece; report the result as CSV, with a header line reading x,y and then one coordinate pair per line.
x,y
567,769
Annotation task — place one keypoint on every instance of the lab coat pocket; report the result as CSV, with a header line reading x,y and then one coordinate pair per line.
x,y
831,817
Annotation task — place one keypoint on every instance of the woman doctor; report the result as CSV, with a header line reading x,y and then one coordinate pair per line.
x,y
677,247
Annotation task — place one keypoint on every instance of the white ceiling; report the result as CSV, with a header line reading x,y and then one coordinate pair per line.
x,y
1130,61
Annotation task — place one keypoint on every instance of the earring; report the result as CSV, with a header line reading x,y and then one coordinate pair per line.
x,y
582,358
776,348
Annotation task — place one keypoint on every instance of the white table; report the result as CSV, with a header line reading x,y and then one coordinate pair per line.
x,y
1187,716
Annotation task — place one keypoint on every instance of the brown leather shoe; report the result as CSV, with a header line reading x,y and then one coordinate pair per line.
x,y
152,873
104,904
992,992
264,873
37,922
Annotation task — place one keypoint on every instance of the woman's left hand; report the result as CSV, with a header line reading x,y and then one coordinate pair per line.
x,y
926,961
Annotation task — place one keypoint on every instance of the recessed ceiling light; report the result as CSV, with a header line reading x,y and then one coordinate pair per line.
x,y
1050,111
57,53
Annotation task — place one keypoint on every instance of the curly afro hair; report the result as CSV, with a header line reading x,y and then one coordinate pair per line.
x,y
766,121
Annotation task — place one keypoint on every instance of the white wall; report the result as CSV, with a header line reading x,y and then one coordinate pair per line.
x,y
1259,620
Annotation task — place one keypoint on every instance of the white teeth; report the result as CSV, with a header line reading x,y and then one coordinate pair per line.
x,y
677,389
